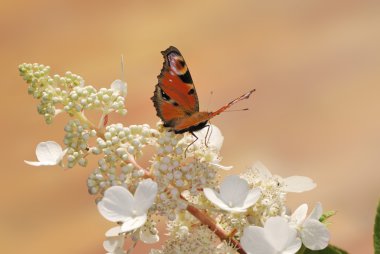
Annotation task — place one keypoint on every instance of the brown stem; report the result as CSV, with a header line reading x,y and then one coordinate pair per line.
x,y
201,216
207,220
132,160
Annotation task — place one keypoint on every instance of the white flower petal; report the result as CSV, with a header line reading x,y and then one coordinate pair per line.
x,y
298,184
116,204
48,154
148,237
218,166
144,196
252,197
317,212
49,151
263,171
253,241
299,214
234,190
117,251
215,198
294,245
112,244
119,86
115,231
132,223
315,235
214,137
39,163
278,233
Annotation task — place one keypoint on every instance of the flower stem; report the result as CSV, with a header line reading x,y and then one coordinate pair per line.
x,y
81,117
201,216
129,251
207,220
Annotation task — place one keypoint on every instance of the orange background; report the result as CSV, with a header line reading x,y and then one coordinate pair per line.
x,y
315,65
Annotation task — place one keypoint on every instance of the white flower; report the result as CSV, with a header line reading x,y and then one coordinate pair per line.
x,y
114,244
277,237
234,195
214,139
289,184
314,234
119,205
48,153
147,237
119,86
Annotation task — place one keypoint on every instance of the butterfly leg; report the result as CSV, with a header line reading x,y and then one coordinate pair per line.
x,y
196,138
207,137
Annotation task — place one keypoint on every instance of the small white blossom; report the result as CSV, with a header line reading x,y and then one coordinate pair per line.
x,y
288,184
314,234
48,153
189,240
119,205
234,195
146,236
114,244
119,86
277,237
212,136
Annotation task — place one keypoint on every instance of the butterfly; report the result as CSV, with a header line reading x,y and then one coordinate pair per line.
x,y
176,100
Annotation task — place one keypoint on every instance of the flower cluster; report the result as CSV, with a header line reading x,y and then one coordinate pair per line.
x,y
185,239
76,141
69,93
242,213
50,90
120,146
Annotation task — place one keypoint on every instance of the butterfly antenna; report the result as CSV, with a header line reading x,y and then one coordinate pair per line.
x,y
122,72
234,110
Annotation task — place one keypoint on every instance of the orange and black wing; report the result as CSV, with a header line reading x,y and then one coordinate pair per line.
x,y
174,96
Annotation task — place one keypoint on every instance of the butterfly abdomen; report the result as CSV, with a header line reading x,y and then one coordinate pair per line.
x,y
194,122
192,128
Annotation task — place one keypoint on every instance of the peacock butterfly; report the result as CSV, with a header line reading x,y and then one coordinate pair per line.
x,y
175,98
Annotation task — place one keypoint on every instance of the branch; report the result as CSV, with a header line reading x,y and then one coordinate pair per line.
x,y
201,216
207,220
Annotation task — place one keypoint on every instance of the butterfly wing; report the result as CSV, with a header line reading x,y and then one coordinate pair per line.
x,y
175,96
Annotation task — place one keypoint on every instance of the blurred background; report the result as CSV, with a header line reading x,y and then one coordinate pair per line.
x,y
316,112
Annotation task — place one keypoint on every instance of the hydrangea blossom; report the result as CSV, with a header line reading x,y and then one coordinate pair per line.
x,y
48,153
234,195
180,181
190,240
148,237
114,244
119,205
210,135
313,233
288,184
277,237
209,143
119,86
